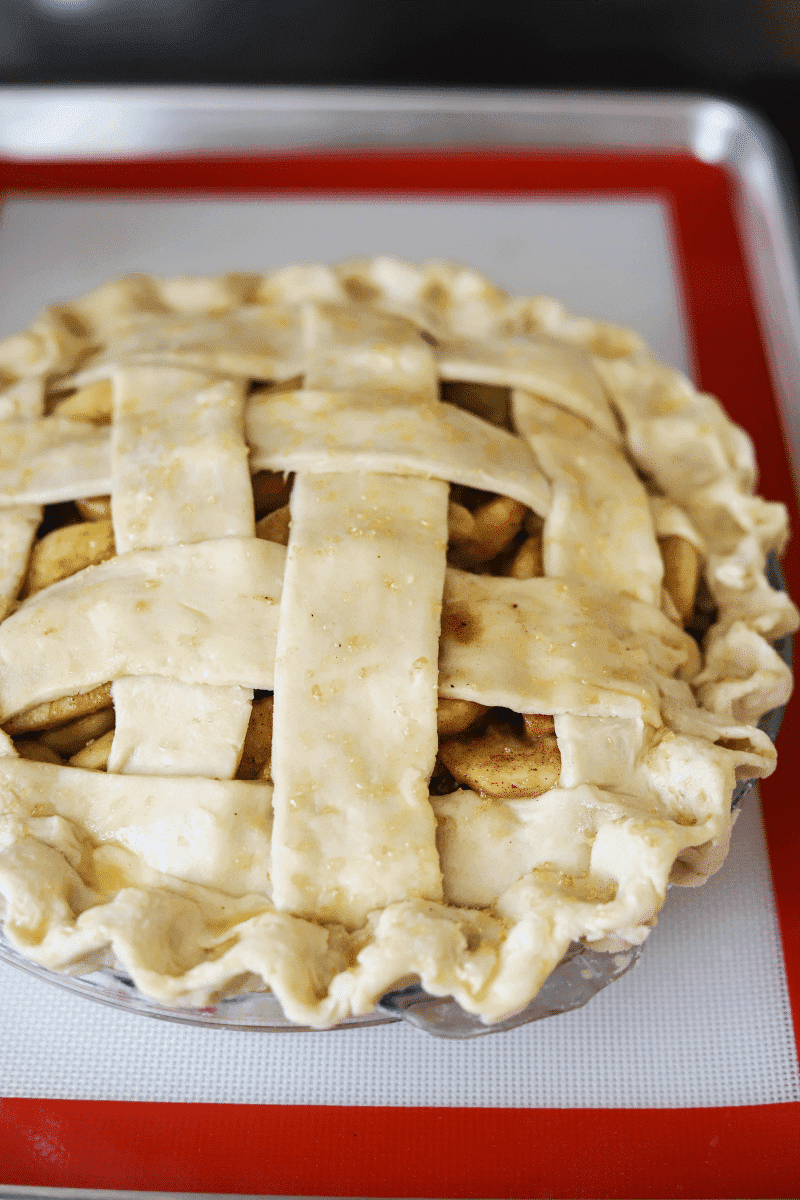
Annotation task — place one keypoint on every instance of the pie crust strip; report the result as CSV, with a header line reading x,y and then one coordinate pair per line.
x,y
599,529
486,652
179,458
319,431
17,531
560,374
52,459
23,404
552,646
205,831
255,342
180,475
354,733
437,441
198,614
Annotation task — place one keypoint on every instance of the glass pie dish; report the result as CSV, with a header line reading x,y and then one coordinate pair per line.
x,y
475,600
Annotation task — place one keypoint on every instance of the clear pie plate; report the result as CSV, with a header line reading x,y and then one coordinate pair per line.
x,y
580,975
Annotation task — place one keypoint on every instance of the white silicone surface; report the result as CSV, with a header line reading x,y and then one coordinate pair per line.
x,y
704,1020
609,260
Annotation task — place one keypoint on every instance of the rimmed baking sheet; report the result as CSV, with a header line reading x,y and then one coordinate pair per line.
x,y
705,1022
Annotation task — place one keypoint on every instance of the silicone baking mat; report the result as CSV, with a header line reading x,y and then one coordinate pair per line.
x,y
681,1079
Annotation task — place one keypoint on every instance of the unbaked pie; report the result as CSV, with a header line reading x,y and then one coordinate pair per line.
x,y
361,626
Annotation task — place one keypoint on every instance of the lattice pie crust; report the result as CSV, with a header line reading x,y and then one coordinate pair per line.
x,y
493,502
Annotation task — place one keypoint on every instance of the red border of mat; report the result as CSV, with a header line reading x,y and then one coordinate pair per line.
x,y
298,1150
716,1152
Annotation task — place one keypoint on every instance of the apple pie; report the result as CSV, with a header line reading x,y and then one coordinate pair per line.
x,y
365,625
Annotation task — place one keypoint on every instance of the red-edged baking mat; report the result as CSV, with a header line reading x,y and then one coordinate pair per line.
x,y
371,1151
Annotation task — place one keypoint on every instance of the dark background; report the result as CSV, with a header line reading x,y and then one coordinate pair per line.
x,y
744,50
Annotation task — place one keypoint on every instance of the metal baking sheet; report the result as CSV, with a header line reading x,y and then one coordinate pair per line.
x,y
44,124
103,181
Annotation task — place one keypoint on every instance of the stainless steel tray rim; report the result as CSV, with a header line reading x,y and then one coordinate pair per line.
x,y
59,122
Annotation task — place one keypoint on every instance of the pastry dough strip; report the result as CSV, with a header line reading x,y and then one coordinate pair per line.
x,y
434,441
52,459
551,646
321,431
198,614
486,653
180,474
252,343
599,529
23,402
17,530
179,459
355,696
205,831
561,374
